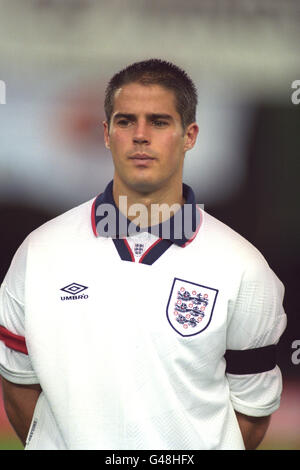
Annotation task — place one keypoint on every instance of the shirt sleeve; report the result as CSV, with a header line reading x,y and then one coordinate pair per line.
x,y
256,323
15,363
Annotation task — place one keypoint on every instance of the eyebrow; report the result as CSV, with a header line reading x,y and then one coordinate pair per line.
x,y
151,116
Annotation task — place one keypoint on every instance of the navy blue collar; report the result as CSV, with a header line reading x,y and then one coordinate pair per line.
x,y
180,229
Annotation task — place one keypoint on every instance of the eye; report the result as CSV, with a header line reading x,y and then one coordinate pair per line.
x,y
159,123
123,122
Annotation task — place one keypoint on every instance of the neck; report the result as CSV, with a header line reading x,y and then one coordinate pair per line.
x,y
151,208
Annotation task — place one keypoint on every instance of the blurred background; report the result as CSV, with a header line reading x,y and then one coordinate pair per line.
x,y
56,57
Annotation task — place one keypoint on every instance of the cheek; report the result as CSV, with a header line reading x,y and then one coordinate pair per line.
x,y
172,145
118,141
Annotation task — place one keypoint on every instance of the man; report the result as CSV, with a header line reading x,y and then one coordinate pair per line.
x,y
137,320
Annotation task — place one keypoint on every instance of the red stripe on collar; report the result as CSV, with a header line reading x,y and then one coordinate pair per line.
x,y
93,218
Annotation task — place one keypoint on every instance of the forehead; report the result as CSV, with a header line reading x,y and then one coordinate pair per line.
x,y
135,98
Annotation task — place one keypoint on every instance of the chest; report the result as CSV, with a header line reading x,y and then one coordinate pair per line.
x,y
84,303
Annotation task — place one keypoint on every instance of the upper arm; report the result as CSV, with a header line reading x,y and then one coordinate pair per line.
x,y
19,380
256,322
15,363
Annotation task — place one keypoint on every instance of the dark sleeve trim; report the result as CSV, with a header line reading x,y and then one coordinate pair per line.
x,y
250,361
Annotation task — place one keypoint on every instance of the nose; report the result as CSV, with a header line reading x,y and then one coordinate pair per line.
x,y
141,133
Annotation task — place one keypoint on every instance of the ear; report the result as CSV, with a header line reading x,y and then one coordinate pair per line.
x,y
190,136
106,134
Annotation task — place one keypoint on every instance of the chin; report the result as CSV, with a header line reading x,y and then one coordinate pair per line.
x,y
144,187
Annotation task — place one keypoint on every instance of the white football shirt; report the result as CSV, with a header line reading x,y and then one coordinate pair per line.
x,y
141,342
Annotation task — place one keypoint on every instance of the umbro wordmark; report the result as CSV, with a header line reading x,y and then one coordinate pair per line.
x,y
74,289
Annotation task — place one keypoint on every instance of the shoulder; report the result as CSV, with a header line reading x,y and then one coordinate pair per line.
x,y
72,224
228,245
68,228
237,254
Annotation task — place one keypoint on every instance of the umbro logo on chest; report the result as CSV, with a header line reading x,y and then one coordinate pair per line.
x,y
75,290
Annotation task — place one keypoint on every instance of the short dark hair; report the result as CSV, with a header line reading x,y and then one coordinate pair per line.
x,y
156,72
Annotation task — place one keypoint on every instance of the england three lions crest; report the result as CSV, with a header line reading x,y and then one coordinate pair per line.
x,y
190,307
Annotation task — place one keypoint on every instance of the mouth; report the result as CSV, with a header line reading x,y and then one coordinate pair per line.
x,y
141,160
141,157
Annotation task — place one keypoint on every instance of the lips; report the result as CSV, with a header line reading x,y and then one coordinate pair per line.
x,y
141,157
142,160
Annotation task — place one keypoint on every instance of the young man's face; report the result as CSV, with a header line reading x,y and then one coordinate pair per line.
x,y
146,138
